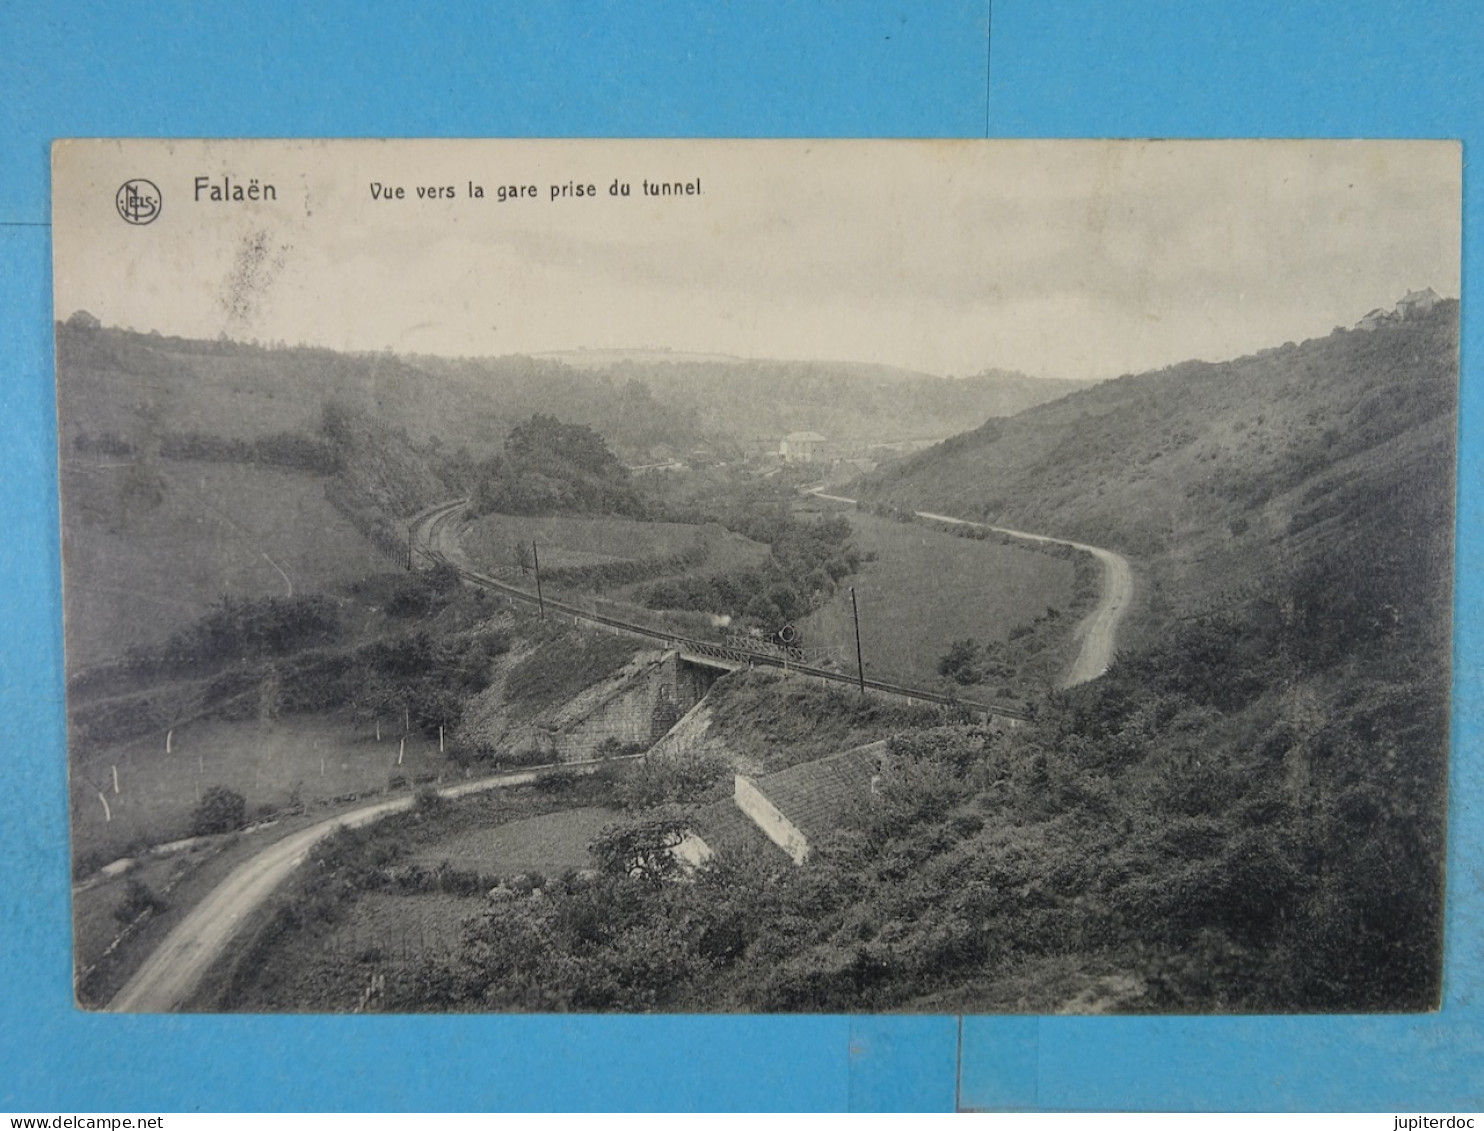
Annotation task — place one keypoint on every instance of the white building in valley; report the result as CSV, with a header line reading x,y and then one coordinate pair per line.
x,y
802,447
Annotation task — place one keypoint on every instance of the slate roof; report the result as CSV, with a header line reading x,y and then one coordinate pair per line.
x,y
725,828
1427,295
816,797
819,796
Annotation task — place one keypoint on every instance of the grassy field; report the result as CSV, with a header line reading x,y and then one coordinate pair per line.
x,y
329,972
567,542
549,844
309,758
136,571
94,925
322,958
927,589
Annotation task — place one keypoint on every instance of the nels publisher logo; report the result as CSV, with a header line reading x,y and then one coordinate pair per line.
x,y
138,201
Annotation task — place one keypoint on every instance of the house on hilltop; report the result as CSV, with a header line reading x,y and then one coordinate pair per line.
x,y
1414,303
1410,305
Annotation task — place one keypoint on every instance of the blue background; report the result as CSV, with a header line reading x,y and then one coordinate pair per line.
x,y
865,68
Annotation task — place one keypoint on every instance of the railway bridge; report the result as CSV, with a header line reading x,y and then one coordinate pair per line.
x,y
433,534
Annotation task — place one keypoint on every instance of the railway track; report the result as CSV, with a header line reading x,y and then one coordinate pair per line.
x,y
433,525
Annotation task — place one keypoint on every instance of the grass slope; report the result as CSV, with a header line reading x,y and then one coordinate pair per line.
x,y
549,844
1142,462
1247,812
769,722
139,567
301,760
143,385
926,589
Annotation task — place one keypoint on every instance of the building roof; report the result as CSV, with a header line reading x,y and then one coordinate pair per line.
x,y
1427,294
819,796
803,437
725,828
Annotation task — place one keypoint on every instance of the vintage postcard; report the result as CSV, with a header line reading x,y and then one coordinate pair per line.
x,y
757,576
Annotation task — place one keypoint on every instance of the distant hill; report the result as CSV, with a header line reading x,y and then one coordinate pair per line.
x,y
1215,473
192,471
1258,785
841,400
640,399
603,358
139,385
345,446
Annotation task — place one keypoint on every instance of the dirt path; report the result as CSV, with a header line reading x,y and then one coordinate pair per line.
x,y
1099,629
252,537
287,580
171,974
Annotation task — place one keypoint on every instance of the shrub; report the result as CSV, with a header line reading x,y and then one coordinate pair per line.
x,y
961,662
221,810
556,781
428,800
138,899
642,850
682,778
423,592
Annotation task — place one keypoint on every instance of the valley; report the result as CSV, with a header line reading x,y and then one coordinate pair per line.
x,y
1134,700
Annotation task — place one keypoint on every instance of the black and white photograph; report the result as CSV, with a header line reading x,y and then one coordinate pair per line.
x,y
753,576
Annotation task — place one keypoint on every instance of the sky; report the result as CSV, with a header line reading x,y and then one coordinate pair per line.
x,y
1055,258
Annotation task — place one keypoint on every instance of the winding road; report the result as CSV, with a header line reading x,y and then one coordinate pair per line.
x,y
173,972
1099,629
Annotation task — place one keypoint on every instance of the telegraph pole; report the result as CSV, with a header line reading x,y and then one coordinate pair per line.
x,y
409,549
860,667
536,561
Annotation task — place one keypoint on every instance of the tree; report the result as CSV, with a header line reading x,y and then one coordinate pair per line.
x,y
552,467
961,662
543,438
641,851
270,696
138,898
337,422
221,810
